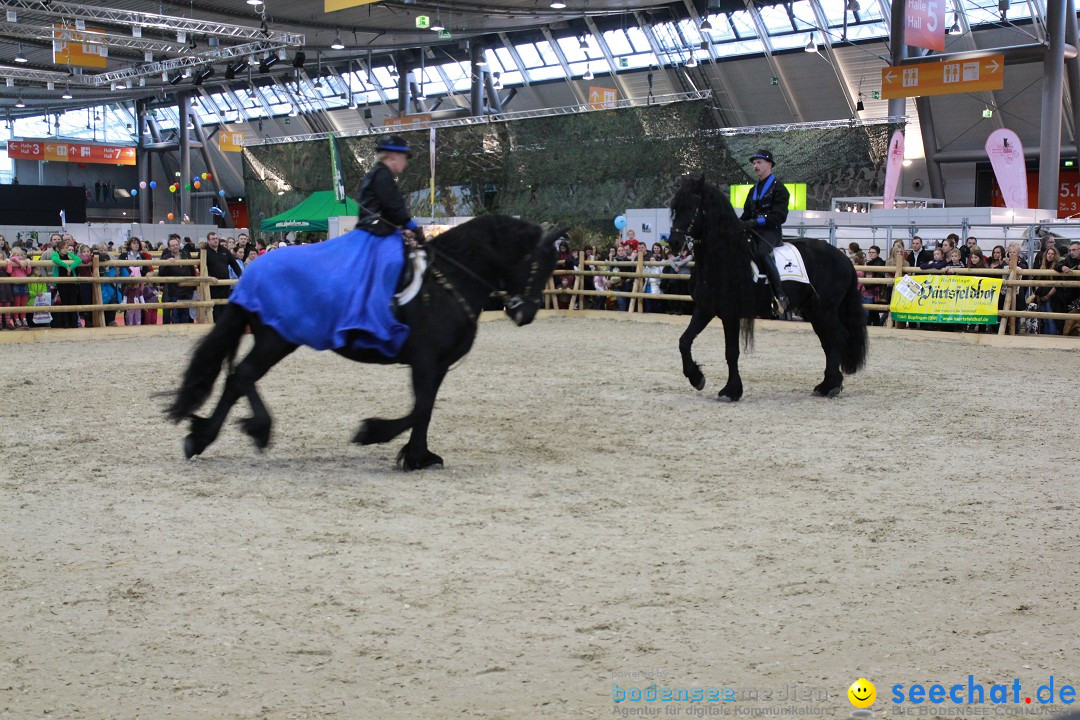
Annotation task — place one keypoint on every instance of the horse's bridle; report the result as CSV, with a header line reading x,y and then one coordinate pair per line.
x,y
511,303
689,231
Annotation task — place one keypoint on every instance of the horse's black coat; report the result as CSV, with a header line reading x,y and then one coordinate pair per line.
x,y
467,263
721,286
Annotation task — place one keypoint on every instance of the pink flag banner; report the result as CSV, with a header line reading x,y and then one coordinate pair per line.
x,y
1007,158
894,164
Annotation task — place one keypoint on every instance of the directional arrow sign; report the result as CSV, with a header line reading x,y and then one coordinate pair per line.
x,y
601,97
943,78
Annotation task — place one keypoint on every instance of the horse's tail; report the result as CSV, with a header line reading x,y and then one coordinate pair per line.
x,y
219,345
853,319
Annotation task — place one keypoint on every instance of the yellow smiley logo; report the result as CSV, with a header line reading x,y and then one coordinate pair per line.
x,y
862,693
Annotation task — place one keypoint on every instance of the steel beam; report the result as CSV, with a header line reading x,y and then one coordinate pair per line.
x,y
1053,82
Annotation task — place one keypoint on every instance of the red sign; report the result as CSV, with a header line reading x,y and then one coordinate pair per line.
x,y
239,212
1068,192
924,24
54,151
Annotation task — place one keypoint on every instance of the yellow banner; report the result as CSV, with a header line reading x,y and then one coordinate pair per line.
x,y
946,299
79,48
332,5
230,141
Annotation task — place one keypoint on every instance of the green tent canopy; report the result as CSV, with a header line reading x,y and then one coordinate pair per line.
x,y
311,214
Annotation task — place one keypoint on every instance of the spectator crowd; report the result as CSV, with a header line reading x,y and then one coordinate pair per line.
x,y
60,256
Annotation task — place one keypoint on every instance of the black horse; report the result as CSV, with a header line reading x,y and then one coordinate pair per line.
x,y
466,264
722,286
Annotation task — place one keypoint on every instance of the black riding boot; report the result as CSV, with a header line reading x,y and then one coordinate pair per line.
x,y
768,263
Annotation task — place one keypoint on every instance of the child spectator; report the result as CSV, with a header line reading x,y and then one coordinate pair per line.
x,y
133,292
7,297
19,266
65,260
85,289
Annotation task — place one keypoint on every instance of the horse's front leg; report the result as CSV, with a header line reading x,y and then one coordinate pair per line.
x,y
733,390
415,455
698,322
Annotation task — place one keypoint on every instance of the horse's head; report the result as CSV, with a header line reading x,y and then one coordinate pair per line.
x,y
687,215
524,283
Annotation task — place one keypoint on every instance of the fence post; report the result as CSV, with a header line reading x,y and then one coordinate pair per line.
x,y
898,256
579,284
1010,297
635,305
95,291
549,300
204,313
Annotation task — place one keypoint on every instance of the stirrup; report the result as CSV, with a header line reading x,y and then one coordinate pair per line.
x,y
781,304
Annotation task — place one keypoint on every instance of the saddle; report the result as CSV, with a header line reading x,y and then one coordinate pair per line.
x,y
789,264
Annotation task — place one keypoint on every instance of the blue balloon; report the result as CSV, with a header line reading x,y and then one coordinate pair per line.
x,y
221,193
620,222
134,192
153,184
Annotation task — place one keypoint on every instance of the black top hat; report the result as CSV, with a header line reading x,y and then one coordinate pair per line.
x,y
394,143
763,155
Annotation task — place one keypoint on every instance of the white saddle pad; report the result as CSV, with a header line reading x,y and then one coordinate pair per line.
x,y
418,258
789,263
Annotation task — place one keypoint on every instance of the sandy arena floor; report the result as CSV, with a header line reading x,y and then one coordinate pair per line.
x,y
597,518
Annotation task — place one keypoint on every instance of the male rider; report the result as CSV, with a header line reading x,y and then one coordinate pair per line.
x,y
764,213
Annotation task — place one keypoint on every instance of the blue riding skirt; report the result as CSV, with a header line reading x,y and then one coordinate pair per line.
x,y
329,295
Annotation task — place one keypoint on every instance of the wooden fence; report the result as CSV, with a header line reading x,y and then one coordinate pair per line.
x,y
202,281
1013,279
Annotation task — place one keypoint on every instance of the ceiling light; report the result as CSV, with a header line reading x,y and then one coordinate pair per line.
x,y
907,163
67,94
254,3
318,82
557,5
955,29
19,103
267,63
705,24
692,62
337,44
19,57
859,107
583,43
482,61
204,74
293,111
810,45
438,27
588,74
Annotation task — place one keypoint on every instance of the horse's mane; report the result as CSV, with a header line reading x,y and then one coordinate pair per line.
x,y
498,239
723,258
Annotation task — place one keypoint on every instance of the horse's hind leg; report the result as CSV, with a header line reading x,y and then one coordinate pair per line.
x,y
698,322
273,350
269,349
830,333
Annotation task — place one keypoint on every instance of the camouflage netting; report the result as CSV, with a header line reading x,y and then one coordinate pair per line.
x,y
581,169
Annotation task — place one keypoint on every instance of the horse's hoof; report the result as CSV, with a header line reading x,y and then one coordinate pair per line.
x,y
191,448
729,395
259,431
430,461
700,384
833,392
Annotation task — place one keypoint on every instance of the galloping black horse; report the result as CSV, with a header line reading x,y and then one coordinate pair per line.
x,y
466,264
722,286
